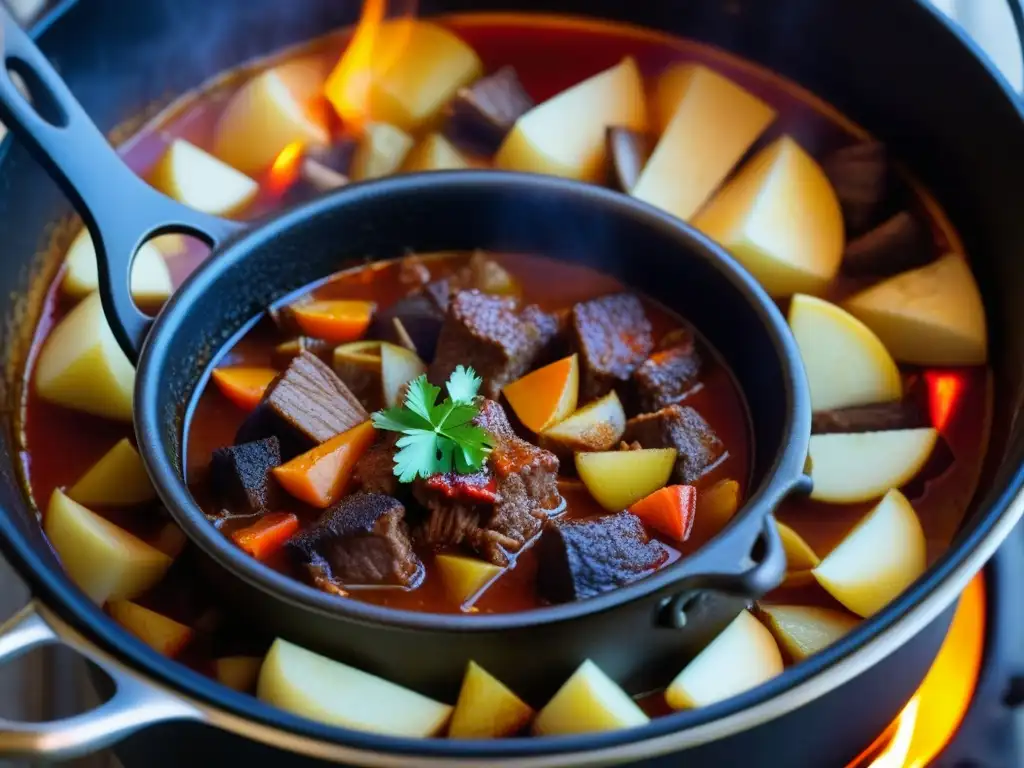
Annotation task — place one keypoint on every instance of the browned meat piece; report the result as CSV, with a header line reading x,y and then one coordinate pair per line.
x,y
613,337
360,540
303,407
628,152
860,176
682,428
896,245
877,417
375,470
667,375
240,476
479,117
490,334
495,511
421,315
287,351
583,558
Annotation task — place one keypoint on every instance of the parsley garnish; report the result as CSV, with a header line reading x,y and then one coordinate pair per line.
x,y
437,438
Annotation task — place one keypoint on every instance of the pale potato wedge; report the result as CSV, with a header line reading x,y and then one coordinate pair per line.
x,y
381,151
618,479
711,123
543,142
106,562
486,708
402,73
780,218
716,506
742,657
434,153
847,468
878,559
846,363
588,702
398,366
160,633
800,558
803,630
596,426
464,577
118,479
276,107
928,316
307,684
151,280
201,181
238,672
82,366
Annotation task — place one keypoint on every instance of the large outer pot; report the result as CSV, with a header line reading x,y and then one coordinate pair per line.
x,y
890,64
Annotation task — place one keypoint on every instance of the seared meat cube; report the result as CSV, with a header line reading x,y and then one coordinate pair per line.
x,y
613,337
859,174
896,245
667,375
240,476
375,470
490,334
360,540
479,117
420,315
876,417
303,407
497,510
628,152
287,351
682,428
583,558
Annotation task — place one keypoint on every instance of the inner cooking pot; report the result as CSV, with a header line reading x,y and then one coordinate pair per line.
x,y
636,633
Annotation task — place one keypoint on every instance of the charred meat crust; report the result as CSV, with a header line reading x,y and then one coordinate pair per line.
x,y
613,338
668,375
240,476
682,428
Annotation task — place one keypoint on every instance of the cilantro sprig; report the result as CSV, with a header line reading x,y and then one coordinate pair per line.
x,y
437,438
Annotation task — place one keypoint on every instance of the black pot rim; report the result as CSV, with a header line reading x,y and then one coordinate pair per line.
x,y
938,587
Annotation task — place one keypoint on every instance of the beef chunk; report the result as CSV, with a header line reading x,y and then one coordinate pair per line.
x,y
682,428
497,510
420,315
375,470
896,245
287,351
613,337
493,336
877,417
583,558
240,476
360,540
860,176
628,152
303,407
479,117
667,375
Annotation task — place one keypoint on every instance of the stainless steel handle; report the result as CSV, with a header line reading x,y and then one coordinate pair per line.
x,y
136,703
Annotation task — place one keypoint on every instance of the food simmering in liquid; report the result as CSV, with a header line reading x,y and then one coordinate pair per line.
x,y
346,440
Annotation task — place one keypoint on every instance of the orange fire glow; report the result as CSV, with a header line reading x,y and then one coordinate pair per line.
x,y
349,87
944,391
930,719
285,167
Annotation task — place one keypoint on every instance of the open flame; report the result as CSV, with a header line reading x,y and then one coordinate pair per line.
x,y
285,168
944,391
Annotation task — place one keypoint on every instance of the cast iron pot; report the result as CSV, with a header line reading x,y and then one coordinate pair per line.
x,y
941,109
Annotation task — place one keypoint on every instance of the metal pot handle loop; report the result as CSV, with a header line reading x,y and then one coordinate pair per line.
x,y
121,210
135,704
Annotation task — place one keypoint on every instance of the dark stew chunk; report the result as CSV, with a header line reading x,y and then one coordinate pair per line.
x,y
375,470
668,374
240,476
682,428
497,510
480,116
876,417
613,337
583,558
303,407
896,245
418,317
491,334
360,540
860,175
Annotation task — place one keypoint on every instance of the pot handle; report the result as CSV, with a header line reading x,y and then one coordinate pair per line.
x,y
121,210
135,704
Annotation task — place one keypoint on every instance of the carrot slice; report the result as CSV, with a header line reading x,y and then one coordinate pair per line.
x,y
264,537
669,510
319,476
336,321
244,386
546,396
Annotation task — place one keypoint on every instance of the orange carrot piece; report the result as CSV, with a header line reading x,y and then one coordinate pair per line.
x,y
669,510
267,535
319,476
336,321
244,386
546,396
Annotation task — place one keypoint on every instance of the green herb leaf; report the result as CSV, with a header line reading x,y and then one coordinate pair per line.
x,y
437,438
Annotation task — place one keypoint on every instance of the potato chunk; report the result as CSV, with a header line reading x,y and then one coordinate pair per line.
x,y
381,151
486,708
151,280
238,672
617,479
464,577
596,426
201,181
162,634
313,686
434,153
803,630
118,479
588,702
81,365
106,562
